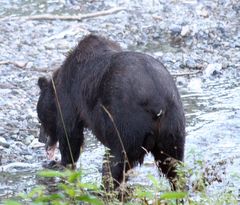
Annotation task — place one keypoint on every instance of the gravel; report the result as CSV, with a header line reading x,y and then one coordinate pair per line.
x,y
184,35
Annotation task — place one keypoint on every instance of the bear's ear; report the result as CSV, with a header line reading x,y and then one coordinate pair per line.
x,y
42,83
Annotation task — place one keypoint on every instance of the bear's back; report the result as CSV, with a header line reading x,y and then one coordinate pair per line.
x,y
134,76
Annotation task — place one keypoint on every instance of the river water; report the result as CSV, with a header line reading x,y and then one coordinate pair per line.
x,y
211,102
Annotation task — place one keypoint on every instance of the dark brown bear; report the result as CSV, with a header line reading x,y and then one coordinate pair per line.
x,y
127,99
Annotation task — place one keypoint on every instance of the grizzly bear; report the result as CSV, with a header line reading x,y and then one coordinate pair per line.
x,y
127,99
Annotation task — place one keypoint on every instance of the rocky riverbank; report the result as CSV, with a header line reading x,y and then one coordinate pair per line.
x,y
187,36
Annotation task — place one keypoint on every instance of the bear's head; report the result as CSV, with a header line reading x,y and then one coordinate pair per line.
x,y
46,110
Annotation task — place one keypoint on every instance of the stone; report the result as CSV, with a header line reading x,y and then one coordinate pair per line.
x,y
4,143
35,144
28,139
212,69
186,30
175,29
202,11
191,63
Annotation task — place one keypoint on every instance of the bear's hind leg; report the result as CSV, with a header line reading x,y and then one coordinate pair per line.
x,y
166,161
113,171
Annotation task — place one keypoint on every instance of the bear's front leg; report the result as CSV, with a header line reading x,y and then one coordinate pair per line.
x,y
70,145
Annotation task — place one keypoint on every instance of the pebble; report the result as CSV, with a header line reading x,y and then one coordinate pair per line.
x,y
237,43
175,29
168,57
185,31
28,139
4,143
213,69
191,63
202,11
2,131
29,65
36,144
21,64
158,54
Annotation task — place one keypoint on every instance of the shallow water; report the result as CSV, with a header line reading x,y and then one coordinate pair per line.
x,y
213,115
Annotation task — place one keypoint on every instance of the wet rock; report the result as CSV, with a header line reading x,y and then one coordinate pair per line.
x,y
191,63
176,65
236,43
28,139
36,144
175,29
4,143
2,131
202,11
168,57
213,69
29,65
186,30
158,54
13,112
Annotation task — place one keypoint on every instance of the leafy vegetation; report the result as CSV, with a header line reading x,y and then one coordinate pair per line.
x,y
68,188
194,188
